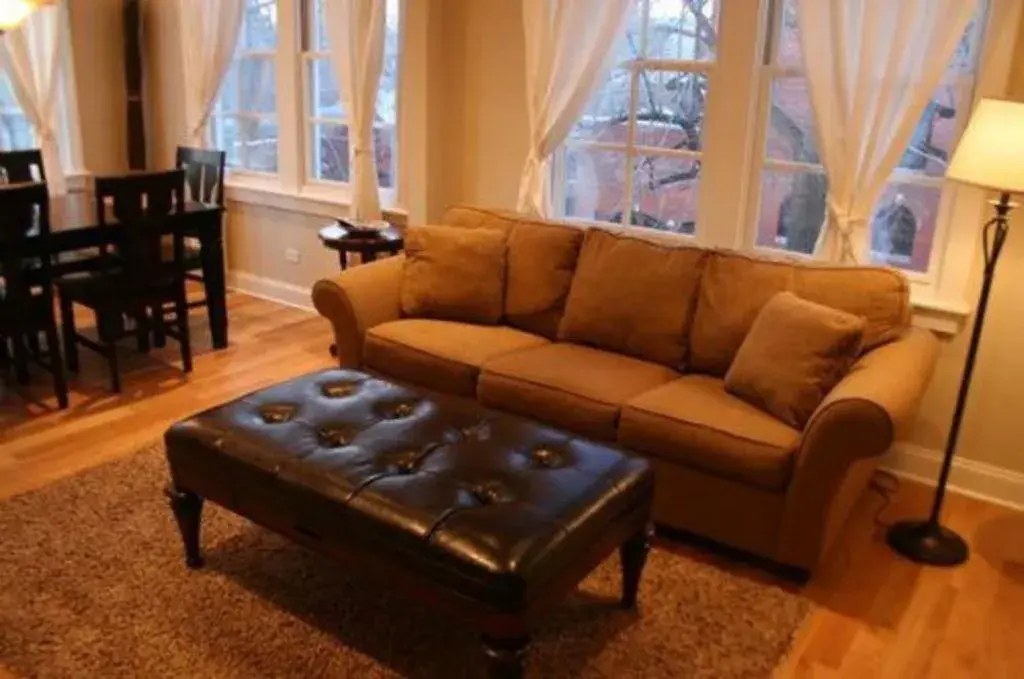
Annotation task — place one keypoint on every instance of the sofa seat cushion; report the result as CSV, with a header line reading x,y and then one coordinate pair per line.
x,y
568,385
441,355
695,422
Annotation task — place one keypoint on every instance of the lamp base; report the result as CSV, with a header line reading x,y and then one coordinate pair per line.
x,y
928,543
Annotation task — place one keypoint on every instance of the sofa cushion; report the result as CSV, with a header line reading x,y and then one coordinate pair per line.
x,y
795,353
454,274
733,290
441,355
541,262
878,294
473,217
633,297
734,287
693,421
568,385
542,257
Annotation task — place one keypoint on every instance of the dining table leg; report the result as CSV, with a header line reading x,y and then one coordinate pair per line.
x,y
212,252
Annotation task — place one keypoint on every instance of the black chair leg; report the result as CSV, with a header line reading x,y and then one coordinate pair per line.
x,y
20,360
5,358
60,384
184,336
109,326
142,329
34,348
159,335
67,327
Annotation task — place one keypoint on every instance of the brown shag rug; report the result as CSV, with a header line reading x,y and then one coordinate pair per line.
x,y
93,585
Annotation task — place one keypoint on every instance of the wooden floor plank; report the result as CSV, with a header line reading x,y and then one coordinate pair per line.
x,y
877,615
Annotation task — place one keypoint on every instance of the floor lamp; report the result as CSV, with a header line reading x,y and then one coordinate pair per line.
x,y
990,156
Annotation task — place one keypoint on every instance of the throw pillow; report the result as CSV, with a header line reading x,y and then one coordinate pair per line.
x,y
541,262
454,274
795,354
633,297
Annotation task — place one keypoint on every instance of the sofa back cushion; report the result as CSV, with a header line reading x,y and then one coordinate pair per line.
x,y
633,297
454,274
735,287
542,257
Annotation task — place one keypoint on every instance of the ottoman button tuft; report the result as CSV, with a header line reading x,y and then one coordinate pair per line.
x,y
338,389
333,436
277,413
545,457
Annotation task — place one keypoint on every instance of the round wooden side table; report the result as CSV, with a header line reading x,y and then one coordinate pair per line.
x,y
336,237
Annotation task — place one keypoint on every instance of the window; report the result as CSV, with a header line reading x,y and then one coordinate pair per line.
x,y
635,155
279,114
326,122
15,131
704,127
244,119
793,185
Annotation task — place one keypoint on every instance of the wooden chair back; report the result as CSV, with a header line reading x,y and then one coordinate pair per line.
x,y
17,167
27,278
204,174
145,206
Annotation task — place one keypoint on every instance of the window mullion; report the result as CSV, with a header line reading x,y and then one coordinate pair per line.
x,y
289,93
634,97
730,127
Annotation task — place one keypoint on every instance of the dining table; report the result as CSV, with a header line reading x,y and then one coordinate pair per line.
x,y
75,229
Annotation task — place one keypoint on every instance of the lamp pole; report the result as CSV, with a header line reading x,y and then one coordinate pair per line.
x,y
928,541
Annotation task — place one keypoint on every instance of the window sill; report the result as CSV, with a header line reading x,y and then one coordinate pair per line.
x,y
322,200
943,317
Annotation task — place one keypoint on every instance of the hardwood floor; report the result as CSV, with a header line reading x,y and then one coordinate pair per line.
x,y
876,614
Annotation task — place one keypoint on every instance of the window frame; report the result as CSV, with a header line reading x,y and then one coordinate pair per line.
x,y
733,145
771,70
293,187
630,149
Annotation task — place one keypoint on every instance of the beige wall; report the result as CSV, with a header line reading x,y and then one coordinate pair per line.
x,y
164,101
97,39
474,141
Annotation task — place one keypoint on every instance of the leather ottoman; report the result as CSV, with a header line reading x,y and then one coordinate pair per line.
x,y
491,517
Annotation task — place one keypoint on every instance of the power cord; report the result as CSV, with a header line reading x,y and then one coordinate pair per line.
x,y
884,484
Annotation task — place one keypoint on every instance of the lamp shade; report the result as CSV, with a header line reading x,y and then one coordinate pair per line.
x,y
991,151
13,12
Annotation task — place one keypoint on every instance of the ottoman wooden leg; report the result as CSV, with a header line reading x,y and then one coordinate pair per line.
x,y
506,658
633,556
188,510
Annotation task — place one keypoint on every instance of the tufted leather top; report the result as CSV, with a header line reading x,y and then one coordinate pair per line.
x,y
489,504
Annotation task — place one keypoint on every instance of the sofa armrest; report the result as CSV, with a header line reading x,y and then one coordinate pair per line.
x,y
846,437
357,300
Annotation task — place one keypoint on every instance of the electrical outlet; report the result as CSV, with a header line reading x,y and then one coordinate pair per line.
x,y
292,255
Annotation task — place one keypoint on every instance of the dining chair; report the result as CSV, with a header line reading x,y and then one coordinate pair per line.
x,y
204,183
26,292
18,167
135,274
22,166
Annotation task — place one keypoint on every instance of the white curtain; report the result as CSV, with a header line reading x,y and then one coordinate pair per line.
x,y
568,46
209,35
355,34
871,66
33,57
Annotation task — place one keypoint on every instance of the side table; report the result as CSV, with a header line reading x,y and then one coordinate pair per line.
x,y
336,237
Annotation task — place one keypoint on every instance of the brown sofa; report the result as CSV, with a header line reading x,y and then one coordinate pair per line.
x,y
725,470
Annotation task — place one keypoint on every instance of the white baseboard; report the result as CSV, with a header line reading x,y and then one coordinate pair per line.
x,y
968,477
271,289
